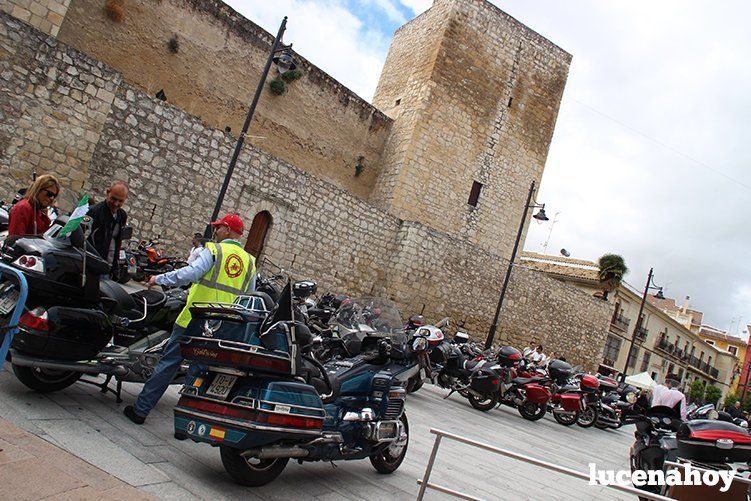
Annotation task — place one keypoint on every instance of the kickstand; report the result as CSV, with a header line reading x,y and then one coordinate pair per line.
x,y
104,386
333,465
450,393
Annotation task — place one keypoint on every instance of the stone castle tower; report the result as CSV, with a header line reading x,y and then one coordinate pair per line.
x,y
474,95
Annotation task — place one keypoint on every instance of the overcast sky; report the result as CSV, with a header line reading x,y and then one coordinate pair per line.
x,y
650,153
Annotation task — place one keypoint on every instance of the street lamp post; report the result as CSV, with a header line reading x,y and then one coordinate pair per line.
x,y
540,216
649,285
285,62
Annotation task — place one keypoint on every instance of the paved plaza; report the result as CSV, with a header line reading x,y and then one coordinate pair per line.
x,y
90,425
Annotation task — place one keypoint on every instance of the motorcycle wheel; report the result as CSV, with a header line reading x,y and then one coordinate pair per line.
x,y
531,411
45,380
123,277
389,459
587,417
483,404
601,426
139,275
414,384
251,472
566,419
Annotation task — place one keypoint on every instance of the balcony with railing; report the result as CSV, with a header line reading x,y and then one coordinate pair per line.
x,y
620,322
704,367
640,334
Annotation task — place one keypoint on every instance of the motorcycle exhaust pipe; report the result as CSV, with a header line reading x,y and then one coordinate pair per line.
x,y
115,370
276,452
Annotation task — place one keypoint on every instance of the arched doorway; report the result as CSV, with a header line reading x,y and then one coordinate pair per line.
x,y
257,233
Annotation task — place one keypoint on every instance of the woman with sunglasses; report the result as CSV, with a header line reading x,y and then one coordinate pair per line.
x,y
29,215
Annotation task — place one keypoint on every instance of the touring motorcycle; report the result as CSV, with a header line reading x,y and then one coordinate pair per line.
x,y
263,400
77,321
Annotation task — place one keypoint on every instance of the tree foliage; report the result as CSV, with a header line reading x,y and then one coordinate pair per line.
x,y
712,394
696,391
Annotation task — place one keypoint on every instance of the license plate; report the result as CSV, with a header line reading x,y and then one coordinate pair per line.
x,y
221,386
8,298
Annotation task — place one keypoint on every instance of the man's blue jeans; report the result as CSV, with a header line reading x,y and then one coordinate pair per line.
x,y
163,374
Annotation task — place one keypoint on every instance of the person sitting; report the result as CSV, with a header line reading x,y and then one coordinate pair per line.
x,y
29,216
197,248
537,357
735,411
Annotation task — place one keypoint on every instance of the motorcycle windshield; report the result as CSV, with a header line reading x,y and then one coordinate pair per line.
x,y
368,315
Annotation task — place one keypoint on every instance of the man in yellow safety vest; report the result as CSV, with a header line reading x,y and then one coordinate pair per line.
x,y
221,272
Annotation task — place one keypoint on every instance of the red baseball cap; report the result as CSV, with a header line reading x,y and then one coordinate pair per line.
x,y
231,221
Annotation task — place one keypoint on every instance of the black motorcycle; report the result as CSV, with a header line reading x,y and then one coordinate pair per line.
x,y
78,321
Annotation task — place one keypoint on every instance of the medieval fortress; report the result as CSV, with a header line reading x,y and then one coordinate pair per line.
x,y
365,198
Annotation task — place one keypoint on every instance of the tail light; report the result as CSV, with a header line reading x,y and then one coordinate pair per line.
x,y
31,263
35,319
255,415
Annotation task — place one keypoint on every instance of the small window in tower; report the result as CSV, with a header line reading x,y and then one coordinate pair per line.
x,y
398,102
510,100
474,195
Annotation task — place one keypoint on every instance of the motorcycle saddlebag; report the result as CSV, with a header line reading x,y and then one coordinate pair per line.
x,y
484,380
68,333
571,402
713,441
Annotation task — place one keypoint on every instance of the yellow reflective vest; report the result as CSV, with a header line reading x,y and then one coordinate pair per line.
x,y
229,277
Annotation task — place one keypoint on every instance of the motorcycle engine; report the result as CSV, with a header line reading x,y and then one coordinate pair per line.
x,y
444,380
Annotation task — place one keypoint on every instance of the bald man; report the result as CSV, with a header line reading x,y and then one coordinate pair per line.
x,y
108,219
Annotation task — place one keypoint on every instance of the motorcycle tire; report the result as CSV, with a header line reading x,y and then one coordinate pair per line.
x,y
531,411
601,426
45,380
414,384
123,278
388,459
483,405
588,417
565,419
139,275
250,472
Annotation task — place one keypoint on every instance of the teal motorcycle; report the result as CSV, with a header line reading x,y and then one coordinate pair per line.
x,y
263,399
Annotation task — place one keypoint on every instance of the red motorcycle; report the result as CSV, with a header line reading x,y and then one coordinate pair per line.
x,y
551,392
590,387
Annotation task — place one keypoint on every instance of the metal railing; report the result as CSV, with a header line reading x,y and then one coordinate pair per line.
x,y
641,333
620,322
425,483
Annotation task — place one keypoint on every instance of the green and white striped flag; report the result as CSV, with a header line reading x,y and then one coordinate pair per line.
x,y
76,217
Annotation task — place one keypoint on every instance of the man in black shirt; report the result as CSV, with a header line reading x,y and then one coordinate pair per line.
x,y
108,220
735,411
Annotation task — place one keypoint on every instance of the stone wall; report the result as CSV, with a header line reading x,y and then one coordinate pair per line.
x,y
480,105
44,15
55,102
317,124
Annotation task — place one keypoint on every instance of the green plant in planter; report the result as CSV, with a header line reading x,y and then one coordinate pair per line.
x,y
612,269
173,44
277,86
291,76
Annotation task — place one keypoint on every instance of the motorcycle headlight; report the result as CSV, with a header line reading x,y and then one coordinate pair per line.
x,y
631,398
743,424
666,421
419,344
713,414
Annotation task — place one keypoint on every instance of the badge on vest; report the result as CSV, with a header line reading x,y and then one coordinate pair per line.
x,y
233,266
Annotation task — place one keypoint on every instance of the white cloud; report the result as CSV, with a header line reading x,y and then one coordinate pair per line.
x,y
417,6
326,34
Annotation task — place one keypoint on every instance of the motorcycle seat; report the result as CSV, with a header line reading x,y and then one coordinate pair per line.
x,y
527,380
472,364
569,387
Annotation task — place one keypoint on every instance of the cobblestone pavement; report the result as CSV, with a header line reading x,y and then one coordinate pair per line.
x,y
90,425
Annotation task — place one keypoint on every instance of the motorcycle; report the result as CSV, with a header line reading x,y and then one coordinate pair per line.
x,y
709,411
263,400
145,259
78,322
661,436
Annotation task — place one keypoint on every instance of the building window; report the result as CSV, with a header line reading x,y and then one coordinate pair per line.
x,y
701,357
709,342
474,195
654,376
612,348
645,361
631,362
671,368
733,350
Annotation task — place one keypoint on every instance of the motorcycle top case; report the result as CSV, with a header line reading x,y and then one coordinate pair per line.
x,y
560,371
71,334
508,356
239,344
608,383
712,441
485,380
589,383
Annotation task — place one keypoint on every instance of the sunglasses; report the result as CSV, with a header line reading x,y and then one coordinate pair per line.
x,y
50,194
